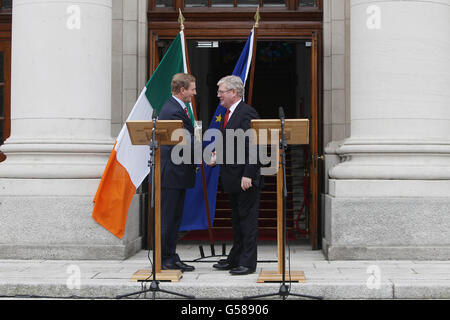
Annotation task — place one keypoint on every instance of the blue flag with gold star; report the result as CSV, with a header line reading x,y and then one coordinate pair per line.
x,y
194,214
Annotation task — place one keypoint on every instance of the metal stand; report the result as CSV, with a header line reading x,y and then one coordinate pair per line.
x,y
154,286
213,252
284,291
214,255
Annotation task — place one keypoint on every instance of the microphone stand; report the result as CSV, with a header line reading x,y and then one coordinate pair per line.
x,y
284,291
154,286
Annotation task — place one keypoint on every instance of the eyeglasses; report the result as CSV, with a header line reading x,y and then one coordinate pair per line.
x,y
220,92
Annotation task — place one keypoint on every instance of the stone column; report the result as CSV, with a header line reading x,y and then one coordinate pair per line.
x,y
389,198
60,133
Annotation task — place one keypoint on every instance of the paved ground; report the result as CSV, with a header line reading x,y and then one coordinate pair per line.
x,y
330,279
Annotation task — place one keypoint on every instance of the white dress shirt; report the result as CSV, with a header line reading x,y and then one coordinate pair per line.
x,y
232,108
182,104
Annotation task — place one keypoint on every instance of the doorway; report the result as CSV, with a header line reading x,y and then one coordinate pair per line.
x,y
287,74
282,78
282,75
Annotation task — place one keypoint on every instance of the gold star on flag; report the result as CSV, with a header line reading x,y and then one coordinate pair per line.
x,y
219,118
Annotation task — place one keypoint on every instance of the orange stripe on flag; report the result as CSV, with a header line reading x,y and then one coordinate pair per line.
x,y
113,197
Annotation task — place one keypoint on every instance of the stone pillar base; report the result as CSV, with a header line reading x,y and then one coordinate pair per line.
x,y
56,222
384,220
70,252
333,253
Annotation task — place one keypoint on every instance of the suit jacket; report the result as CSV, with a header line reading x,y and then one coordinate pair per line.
x,y
231,173
181,176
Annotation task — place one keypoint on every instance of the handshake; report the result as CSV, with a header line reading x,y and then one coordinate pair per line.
x,y
246,183
212,160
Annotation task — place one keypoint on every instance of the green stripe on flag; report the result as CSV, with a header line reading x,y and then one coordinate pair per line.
x,y
159,85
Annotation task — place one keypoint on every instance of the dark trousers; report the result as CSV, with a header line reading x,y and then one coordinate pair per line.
x,y
172,204
244,218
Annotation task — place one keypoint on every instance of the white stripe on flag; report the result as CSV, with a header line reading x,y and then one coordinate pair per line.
x,y
250,54
183,49
135,157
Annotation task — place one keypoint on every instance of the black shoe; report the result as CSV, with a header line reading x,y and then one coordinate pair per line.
x,y
170,266
241,270
184,267
223,265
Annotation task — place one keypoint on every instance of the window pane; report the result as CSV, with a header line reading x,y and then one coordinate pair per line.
x,y
307,3
222,3
164,3
196,3
248,3
274,3
6,4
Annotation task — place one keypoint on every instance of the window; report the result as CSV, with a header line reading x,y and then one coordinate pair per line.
x,y
196,3
274,3
308,3
291,4
163,3
5,4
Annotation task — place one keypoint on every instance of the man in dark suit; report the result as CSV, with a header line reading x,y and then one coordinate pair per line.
x,y
241,179
175,178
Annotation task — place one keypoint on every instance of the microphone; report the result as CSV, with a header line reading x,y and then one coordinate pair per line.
x,y
154,114
281,113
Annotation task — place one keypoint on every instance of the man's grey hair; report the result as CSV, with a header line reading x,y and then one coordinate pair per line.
x,y
233,82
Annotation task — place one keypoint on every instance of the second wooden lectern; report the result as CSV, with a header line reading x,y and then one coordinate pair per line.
x,y
141,134
296,132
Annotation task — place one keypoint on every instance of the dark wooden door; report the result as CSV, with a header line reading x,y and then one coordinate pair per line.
x,y
234,24
5,76
315,145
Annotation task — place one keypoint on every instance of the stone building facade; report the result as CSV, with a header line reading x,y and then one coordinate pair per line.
x,y
77,70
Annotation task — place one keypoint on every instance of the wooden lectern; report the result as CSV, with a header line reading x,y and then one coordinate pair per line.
x,y
140,134
296,132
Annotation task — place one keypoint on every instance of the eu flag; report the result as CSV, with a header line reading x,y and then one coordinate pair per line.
x,y
194,214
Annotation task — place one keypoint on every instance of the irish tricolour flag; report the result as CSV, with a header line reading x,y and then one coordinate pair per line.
x,y
127,166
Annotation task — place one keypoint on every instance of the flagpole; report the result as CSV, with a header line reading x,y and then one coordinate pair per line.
x,y
252,66
202,168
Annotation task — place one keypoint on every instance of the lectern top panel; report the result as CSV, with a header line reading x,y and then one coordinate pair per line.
x,y
141,131
296,130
